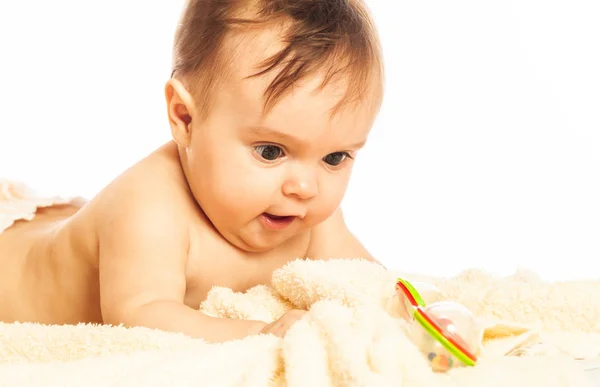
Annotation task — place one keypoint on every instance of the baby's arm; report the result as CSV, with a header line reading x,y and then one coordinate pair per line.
x,y
143,239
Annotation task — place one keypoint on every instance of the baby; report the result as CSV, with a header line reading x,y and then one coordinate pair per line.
x,y
269,103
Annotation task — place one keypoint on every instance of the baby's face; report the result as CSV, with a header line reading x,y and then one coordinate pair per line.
x,y
263,179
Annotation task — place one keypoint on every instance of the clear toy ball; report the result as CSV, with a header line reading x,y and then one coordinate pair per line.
x,y
457,322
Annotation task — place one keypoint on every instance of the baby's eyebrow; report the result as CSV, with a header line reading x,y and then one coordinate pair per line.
x,y
357,145
264,131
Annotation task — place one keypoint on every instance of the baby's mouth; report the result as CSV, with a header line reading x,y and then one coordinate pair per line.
x,y
277,221
278,217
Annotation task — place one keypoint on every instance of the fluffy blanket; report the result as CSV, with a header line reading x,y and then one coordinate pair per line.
x,y
533,332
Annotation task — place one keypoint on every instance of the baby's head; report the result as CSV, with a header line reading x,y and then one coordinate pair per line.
x,y
269,103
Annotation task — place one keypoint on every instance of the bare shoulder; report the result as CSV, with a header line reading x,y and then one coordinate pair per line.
x,y
149,202
333,240
144,210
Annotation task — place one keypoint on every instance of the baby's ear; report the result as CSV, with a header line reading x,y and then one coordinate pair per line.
x,y
180,109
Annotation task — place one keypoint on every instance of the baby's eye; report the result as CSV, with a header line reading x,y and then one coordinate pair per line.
x,y
335,159
269,152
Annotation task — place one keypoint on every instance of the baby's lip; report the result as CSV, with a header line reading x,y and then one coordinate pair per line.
x,y
282,216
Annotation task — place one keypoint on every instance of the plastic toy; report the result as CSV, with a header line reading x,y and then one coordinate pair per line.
x,y
445,331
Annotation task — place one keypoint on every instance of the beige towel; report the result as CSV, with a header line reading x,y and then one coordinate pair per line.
x,y
350,337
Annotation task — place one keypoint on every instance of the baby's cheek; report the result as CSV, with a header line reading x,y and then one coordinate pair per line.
x,y
331,194
247,190
321,210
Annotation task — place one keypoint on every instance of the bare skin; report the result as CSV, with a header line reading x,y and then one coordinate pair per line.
x,y
53,262
196,213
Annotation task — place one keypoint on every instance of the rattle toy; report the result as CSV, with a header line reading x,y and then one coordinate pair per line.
x,y
445,331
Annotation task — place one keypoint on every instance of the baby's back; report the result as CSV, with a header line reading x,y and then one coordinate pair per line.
x,y
47,272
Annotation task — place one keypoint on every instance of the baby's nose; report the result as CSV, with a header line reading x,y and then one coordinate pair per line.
x,y
302,185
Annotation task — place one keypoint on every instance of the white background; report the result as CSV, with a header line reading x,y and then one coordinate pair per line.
x,y
486,153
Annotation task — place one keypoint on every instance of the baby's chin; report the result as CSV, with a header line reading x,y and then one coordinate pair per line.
x,y
262,241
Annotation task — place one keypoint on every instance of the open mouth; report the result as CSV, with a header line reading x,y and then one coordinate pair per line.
x,y
277,222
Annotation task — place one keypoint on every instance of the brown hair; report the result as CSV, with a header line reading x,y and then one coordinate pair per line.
x,y
336,37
